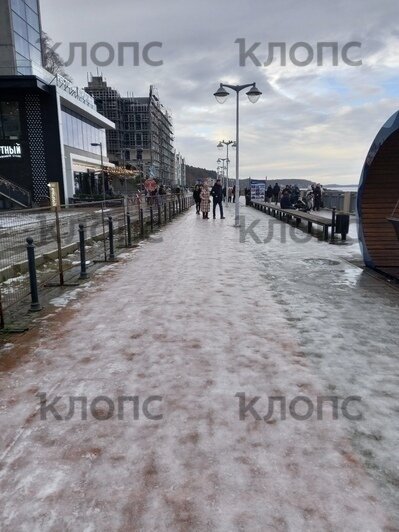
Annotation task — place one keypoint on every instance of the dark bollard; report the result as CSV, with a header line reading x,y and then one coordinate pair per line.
x,y
173,208
159,215
35,305
342,221
142,223
333,226
83,272
164,213
152,219
129,230
111,238
170,212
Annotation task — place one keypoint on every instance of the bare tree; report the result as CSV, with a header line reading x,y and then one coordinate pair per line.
x,y
52,61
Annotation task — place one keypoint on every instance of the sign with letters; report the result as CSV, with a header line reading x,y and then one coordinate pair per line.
x,y
10,151
54,192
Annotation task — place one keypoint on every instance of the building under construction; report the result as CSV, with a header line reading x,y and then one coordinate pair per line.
x,y
143,135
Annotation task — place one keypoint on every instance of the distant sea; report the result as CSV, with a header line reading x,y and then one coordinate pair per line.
x,y
344,188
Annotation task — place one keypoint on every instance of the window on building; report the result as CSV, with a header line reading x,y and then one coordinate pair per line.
x,y
80,133
19,25
21,46
32,19
35,54
34,37
32,4
19,7
10,123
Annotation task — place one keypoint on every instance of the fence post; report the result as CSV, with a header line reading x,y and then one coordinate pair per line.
x,y
83,272
35,305
159,215
104,238
152,219
59,246
1,312
333,226
142,222
165,215
129,230
111,238
170,211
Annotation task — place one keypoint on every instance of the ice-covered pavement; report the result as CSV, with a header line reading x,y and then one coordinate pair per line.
x,y
195,318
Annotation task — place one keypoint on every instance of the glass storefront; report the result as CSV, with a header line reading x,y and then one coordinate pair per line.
x,y
90,184
81,133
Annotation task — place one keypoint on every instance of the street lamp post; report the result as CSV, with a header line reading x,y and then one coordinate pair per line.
x,y
253,95
100,144
225,164
220,146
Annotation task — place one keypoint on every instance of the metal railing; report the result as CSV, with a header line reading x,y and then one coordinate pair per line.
x,y
107,227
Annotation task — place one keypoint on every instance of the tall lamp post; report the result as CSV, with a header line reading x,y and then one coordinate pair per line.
x,y
100,144
225,164
220,146
253,95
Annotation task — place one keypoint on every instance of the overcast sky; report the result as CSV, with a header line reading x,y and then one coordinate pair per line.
x,y
314,122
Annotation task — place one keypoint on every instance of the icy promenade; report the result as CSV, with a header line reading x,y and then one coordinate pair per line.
x,y
194,316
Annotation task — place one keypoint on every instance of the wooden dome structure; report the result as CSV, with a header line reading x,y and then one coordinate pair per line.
x,y
377,201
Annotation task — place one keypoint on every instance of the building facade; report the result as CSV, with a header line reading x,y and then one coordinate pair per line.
x,y
180,170
143,133
20,36
50,130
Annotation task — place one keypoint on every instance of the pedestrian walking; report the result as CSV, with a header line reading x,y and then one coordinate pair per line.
x,y
197,198
233,194
205,202
217,195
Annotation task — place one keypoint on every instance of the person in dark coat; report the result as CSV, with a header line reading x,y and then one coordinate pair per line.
x,y
285,202
276,193
317,197
269,194
295,194
233,194
197,198
217,194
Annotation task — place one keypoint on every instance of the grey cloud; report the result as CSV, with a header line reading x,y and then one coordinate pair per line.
x,y
303,125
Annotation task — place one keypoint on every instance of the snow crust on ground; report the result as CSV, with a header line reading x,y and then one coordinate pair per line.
x,y
195,317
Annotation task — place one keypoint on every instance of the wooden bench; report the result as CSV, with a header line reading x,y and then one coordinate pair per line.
x,y
290,214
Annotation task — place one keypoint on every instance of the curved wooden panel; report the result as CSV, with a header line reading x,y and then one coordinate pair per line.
x,y
377,197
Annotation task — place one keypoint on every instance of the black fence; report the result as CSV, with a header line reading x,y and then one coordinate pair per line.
x,y
66,242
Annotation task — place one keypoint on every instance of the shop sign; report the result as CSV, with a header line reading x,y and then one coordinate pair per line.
x,y
10,151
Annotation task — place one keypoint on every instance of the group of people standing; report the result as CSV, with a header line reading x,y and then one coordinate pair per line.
x,y
156,196
202,196
290,195
231,194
